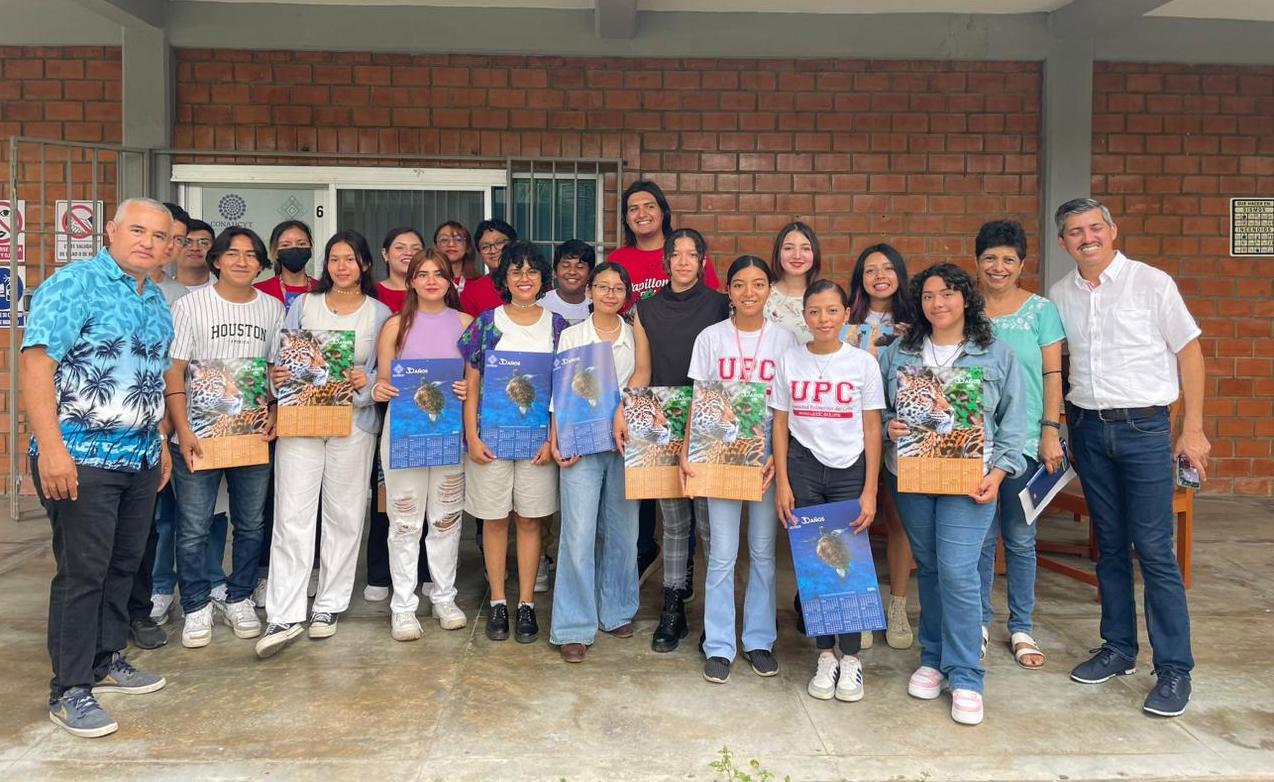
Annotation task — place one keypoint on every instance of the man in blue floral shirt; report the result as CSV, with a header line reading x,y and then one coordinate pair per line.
x,y
92,371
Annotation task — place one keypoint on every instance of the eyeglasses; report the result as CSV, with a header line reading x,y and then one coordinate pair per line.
x,y
450,239
606,290
180,241
205,243
491,247
525,271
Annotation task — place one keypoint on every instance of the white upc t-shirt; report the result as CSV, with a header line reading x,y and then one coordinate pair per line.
x,y
717,354
825,397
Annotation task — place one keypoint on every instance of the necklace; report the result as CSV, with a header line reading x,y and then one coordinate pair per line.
x,y
524,306
746,365
606,332
822,368
352,292
933,354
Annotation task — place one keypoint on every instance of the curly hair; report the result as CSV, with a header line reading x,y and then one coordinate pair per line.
x,y
977,326
518,255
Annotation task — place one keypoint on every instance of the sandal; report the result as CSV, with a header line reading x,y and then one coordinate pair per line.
x,y
1024,646
986,637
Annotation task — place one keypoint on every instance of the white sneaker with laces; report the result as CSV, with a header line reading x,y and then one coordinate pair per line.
x,y
849,684
542,576
197,631
823,685
449,616
159,605
926,683
404,626
898,632
375,594
966,707
241,616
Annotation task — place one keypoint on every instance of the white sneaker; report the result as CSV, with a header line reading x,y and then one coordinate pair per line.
x,y
849,684
197,631
926,683
449,616
322,625
258,593
966,707
823,684
241,616
159,605
375,594
404,626
219,593
868,639
898,632
542,575
426,588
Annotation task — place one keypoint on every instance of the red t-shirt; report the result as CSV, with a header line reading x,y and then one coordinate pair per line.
x,y
480,295
646,270
284,293
390,297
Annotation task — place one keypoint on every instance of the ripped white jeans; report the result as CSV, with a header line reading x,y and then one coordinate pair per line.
x,y
412,497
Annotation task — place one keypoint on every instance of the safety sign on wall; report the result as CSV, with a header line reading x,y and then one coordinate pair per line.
x,y
79,224
1251,226
13,223
11,288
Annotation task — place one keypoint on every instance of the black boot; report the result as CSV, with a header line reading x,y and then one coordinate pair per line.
x,y
672,622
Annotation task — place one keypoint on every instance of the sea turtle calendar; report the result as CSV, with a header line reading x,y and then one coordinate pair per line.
x,y
585,398
835,575
426,421
513,415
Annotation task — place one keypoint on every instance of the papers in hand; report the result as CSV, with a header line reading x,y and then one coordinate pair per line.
x,y
1044,486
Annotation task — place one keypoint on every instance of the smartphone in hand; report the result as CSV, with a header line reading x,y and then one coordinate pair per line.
x,y
1187,474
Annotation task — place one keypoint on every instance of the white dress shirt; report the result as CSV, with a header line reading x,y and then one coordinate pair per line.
x,y
1123,336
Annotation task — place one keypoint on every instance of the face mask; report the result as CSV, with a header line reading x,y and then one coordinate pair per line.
x,y
294,258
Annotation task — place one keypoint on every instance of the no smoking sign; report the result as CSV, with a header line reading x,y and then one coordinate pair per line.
x,y
79,225
12,224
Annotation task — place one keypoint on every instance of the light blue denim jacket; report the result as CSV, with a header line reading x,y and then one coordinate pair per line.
x,y
1002,392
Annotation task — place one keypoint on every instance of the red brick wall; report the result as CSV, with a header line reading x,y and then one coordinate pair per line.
x,y
1171,145
918,153
69,93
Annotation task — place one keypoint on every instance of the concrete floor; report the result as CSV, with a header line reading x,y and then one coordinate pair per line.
x,y
454,706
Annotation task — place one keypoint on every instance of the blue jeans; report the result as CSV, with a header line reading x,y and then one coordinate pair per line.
x,y
724,520
1127,471
197,497
164,574
596,582
1019,554
946,534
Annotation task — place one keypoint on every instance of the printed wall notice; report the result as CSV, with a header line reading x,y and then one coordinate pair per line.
x,y
1251,226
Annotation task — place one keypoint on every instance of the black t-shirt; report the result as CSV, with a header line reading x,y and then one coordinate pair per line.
x,y
672,321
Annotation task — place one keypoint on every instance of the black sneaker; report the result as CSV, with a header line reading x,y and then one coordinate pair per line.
x,y
672,623
1170,695
762,662
498,623
1103,665
717,670
528,629
145,634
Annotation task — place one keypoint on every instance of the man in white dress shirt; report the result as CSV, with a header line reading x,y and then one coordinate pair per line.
x,y
1133,347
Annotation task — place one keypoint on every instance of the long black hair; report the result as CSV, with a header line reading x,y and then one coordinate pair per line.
x,y
977,326
670,245
902,306
748,262
362,251
645,186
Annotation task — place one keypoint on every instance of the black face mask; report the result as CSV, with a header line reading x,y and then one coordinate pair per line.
x,y
294,258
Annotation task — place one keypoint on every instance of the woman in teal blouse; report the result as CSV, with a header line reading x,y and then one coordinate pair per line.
x,y
1031,327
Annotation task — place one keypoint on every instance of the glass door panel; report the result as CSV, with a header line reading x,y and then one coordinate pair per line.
x,y
373,212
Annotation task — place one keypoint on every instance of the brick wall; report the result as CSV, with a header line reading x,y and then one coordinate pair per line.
x,y
1171,145
69,93
918,153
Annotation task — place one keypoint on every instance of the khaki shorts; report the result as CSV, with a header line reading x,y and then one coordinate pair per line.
x,y
492,490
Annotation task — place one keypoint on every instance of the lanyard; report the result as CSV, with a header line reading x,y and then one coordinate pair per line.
x,y
745,373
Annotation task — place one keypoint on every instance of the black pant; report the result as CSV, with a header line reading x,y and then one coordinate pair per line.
x,y
378,539
98,542
646,545
814,484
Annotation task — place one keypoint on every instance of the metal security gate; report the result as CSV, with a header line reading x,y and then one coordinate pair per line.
x,y
59,195
53,211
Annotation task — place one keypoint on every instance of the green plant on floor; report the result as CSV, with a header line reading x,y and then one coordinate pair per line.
x,y
727,771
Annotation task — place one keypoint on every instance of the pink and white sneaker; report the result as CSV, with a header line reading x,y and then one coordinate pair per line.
x,y
926,683
966,707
